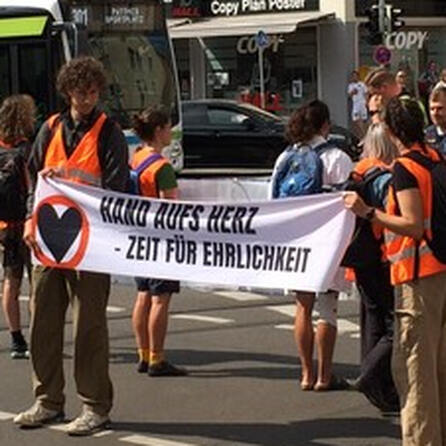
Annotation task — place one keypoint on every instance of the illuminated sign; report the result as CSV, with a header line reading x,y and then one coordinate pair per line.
x,y
406,40
248,44
229,8
117,15
186,8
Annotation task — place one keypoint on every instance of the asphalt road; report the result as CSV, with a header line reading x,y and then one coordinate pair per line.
x,y
242,388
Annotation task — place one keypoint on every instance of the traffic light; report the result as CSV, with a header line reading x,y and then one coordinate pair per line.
x,y
395,19
375,36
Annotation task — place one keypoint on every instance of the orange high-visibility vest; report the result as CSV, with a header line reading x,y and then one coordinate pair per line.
x,y
401,249
147,179
83,164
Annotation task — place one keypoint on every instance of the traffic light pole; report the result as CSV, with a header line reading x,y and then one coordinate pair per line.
x,y
382,16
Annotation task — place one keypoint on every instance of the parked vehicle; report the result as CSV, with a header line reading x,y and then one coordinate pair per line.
x,y
223,134
226,134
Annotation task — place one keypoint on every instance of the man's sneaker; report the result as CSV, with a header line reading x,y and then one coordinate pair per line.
x,y
37,416
142,367
87,423
19,350
165,368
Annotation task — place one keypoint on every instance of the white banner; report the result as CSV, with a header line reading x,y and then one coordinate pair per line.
x,y
294,243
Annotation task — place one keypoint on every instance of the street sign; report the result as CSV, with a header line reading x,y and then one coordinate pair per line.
x,y
262,39
382,55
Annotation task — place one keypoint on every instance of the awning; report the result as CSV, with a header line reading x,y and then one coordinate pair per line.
x,y
245,24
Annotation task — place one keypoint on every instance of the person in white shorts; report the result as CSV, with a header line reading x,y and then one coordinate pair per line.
x,y
357,92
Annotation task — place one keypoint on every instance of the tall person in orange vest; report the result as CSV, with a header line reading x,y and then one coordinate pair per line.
x,y
17,118
82,145
419,353
157,180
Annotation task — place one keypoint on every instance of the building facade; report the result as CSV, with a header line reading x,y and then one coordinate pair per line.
x,y
310,49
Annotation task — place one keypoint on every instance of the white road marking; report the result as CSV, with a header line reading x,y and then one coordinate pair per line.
x,y
344,326
197,317
6,416
286,309
103,433
241,296
112,309
284,326
152,441
62,427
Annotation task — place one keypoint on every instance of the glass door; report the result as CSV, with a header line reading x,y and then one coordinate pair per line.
x,y
5,69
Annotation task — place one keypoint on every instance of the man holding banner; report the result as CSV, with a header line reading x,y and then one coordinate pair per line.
x,y
83,146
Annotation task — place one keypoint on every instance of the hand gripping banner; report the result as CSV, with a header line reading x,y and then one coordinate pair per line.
x,y
294,243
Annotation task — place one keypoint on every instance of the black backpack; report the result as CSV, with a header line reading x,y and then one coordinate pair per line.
x,y
364,249
13,189
437,170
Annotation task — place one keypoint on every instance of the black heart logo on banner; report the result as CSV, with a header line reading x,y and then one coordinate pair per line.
x,y
58,233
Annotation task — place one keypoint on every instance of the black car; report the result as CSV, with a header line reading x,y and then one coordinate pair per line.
x,y
227,134
222,134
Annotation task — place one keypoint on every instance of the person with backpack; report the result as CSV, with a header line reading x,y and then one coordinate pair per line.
x,y
371,178
414,232
154,177
17,117
82,145
308,166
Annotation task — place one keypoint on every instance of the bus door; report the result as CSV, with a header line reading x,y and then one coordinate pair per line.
x,y
28,69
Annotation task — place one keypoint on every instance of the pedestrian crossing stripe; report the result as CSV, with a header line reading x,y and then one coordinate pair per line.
x,y
4,416
241,296
200,318
152,441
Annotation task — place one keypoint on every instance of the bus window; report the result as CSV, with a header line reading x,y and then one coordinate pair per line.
x,y
33,75
5,75
131,40
139,72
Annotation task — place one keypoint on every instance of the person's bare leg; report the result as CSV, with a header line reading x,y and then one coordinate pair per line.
x,y
325,343
10,303
140,320
304,336
158,320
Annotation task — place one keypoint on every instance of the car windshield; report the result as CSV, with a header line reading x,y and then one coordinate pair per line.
x,y
264,114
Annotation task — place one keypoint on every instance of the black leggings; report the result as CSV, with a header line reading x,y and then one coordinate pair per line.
x,y
377,302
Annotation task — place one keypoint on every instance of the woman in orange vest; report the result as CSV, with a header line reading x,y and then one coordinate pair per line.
x,y
157,180
419,349
17,117
372,273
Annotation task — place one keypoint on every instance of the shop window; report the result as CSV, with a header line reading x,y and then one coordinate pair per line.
x,y
290,61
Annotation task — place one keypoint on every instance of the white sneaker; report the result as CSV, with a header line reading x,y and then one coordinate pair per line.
x,y
37,416
87,423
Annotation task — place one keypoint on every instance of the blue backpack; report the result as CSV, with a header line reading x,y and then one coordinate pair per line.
x,y
301,171
133,185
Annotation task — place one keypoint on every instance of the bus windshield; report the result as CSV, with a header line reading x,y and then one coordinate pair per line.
x,y
131,40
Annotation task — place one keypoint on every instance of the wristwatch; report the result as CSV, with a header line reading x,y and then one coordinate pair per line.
x,y
370,214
